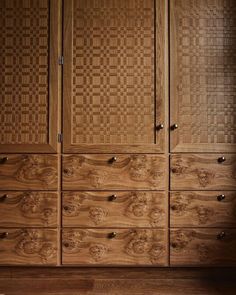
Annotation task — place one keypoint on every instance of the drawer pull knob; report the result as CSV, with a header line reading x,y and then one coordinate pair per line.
x,y
3,160
3,235
221,235
112,235
112,160
174,126
3,198
221,159
112,197
159,127
220,197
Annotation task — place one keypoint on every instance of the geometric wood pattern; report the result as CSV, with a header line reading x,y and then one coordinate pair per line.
x,y
113,72
203,75
24,71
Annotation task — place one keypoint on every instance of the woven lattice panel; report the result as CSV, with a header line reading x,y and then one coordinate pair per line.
x,y
113,72
24,71
206,66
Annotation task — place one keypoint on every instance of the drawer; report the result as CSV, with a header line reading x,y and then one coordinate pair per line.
x,y
28,172
121,172
122,247
203,208
28,246
203,247
203,172
114,209
28,209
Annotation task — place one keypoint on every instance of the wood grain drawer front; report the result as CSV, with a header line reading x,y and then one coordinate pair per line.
x,y
28,172
122,247
203,247
102,172
114,209
203,172
28,246
206,209
28,209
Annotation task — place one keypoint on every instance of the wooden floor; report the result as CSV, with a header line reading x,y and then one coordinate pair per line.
x,y
130,281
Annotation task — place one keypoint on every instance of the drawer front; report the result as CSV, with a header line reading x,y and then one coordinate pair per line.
x,y
28,246
103,247
203,172
28,172
95,172
28,209
114,209
203,247
206,209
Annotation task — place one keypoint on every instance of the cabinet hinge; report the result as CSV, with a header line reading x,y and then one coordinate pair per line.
x,y
61,60
59,137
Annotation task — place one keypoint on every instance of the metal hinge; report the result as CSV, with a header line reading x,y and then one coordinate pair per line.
x,y
61,60
59,137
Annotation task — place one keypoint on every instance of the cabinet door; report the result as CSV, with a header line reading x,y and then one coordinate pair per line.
x,y
28,75
114,75
203,75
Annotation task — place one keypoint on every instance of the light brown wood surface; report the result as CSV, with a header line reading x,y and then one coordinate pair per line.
x,y
99,172
202,247
28,246
30,209
29,75
202,75
114,78
128,247
118,281
114,209
28,172
202,172
203,209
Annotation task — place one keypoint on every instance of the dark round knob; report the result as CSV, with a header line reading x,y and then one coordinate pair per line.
x,y
3,198
221,235
174,126
220,197
112,197
3,235
113,159
3,160
66,208
221,159
160,126
112,235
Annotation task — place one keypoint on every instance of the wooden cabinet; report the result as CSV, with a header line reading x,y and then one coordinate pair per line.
x,y
106,247
118,132
29,76
114,76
